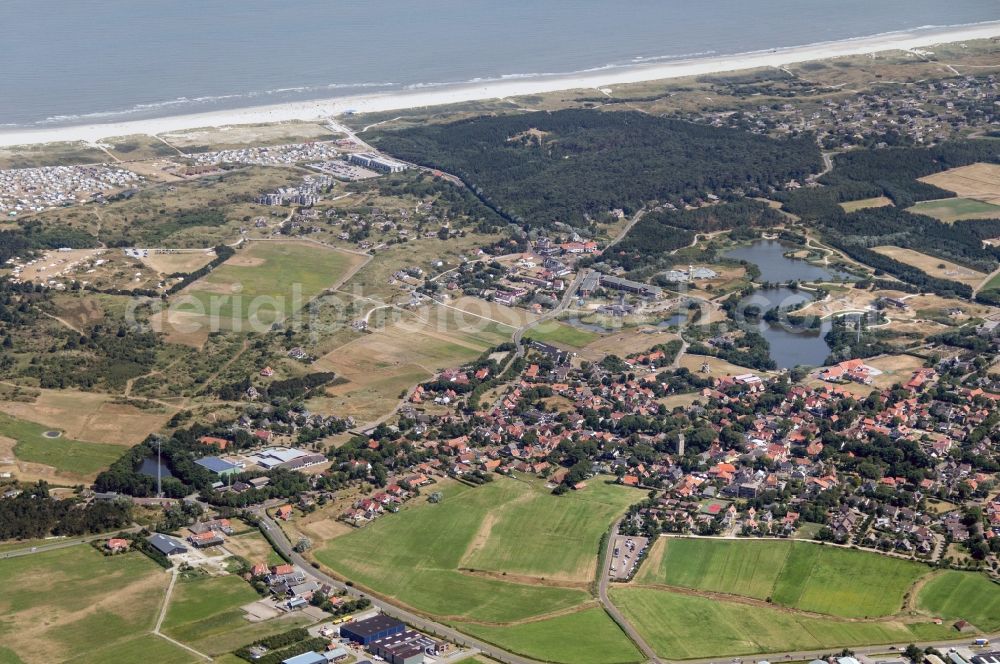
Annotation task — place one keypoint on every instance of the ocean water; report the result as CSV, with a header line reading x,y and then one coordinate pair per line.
x,y
72,61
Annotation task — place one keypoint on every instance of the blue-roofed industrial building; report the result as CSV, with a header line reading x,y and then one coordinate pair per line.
x,y
218,466
372,629
306,658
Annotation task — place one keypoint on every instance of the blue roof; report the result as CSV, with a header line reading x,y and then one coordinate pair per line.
x,y
306,658
216,465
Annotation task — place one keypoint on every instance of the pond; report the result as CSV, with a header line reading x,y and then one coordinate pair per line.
x,y
791,344
769,256
148,467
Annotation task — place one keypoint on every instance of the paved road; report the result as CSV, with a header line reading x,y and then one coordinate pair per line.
x,y
612,610
63,543
549,315
283,546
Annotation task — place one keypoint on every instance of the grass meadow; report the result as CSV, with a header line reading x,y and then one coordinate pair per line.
x,y
103,603
266,282
416,556
966,595
205,614
70,456
950,210
799,575
686,627
586,637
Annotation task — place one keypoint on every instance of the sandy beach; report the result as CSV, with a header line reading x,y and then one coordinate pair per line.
x,y
406,99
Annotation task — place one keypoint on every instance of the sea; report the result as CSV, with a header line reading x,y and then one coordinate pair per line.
x,y
66,62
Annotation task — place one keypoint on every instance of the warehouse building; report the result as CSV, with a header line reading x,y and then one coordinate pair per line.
x,y
372,629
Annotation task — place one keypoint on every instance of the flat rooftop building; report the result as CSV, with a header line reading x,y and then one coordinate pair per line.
x,y
617,283
372,629
218,466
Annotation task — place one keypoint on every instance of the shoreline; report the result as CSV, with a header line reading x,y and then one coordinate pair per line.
x,y
325,109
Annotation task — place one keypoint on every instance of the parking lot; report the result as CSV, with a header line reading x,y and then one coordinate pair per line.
x,y
625,555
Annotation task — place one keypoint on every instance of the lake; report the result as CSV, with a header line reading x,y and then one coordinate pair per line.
x,y
69,62
148,467
769,256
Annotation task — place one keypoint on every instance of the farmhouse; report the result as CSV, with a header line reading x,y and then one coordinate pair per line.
x,y
117,544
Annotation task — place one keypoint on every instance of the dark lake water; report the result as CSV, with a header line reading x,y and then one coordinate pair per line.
x,y
769,256
791,345
148,467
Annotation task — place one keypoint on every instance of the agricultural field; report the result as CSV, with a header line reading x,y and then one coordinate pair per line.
x,y
262,284
977,181
936,267
799,575
681,626
433,542
953,595
950,210
104,603
864,203
584,637
30,455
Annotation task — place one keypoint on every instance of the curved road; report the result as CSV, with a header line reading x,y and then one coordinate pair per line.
x,y
612,610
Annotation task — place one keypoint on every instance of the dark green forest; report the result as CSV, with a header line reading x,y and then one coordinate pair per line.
x,y
570,166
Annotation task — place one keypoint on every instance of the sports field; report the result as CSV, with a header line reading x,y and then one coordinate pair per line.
x,y
264,283
561,334
950,210
68,457
102,604
584,637
799,575
962,595
685,627
416,556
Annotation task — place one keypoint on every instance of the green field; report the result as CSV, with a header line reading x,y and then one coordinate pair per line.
x,y
950,210
63,454
561,334
58,605
415,555
967,595
685,627
584,637
266,282
541,537
205,614
800,575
